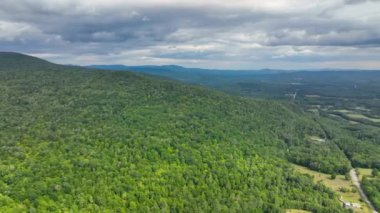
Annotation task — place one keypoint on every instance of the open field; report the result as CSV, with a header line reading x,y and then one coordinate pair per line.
x,y
364,172
360,116
356,115
312,96
296,211
362,108
350,195
316,139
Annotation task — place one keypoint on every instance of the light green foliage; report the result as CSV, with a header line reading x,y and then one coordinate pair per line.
x,y
73,139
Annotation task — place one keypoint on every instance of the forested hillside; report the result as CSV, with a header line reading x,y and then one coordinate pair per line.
x,y
371,187
345,102
86,140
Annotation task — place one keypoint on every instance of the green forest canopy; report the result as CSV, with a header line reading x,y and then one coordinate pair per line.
x,y
79,139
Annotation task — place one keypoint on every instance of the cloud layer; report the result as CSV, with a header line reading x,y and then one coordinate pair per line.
x,y
246,34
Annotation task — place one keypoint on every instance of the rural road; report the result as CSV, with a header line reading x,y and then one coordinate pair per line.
x,y
356,182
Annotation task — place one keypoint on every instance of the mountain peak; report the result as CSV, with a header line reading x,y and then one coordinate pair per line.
x,y
15,55
13,60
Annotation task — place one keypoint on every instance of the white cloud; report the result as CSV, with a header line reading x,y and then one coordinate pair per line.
x,y
366,12
10,31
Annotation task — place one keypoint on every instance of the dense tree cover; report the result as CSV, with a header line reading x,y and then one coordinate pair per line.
x,y
77,139
361,144
371,187
339,89
328,94
327,158
325,92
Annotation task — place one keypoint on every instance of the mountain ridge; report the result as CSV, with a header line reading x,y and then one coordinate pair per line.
x,y
251,71
93,140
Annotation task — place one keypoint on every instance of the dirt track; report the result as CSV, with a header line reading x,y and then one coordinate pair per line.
x,y
356,182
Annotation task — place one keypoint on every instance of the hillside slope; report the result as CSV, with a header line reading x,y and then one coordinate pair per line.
x,y
85,140
345,102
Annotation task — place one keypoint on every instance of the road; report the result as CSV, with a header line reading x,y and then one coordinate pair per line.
x,y
356,182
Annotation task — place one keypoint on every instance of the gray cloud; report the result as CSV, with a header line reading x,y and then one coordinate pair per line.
x,y
358,1
242,34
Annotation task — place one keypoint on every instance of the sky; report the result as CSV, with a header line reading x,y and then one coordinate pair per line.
x,y
225,34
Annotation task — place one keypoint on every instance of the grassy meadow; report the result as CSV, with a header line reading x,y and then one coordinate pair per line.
x,y
349,192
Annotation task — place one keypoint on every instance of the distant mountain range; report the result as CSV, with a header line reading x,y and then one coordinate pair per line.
x,y
176,68
189,75
232,79
154,69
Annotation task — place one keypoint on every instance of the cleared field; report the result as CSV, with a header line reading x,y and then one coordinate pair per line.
x,y
362,108
360,116
343,111
363,172
355,115
313,110
312,96
316,139
349,192
296,211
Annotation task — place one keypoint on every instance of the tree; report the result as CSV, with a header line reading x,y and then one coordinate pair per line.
x,y
347,176
375,172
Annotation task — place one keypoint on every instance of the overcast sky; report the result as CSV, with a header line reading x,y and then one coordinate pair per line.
x,y
237,34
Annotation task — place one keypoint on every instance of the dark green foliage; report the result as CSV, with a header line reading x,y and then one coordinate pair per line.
x,y
343,89
326,158
323,92
372,189
73,139
375,172
360,143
